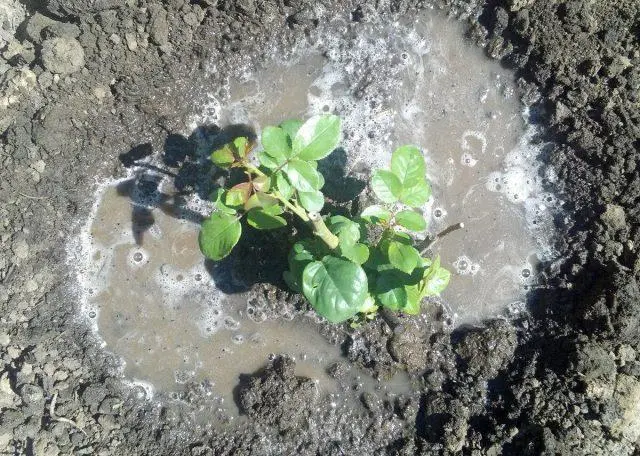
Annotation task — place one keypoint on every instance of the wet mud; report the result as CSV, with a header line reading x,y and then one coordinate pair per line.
x,y
90,89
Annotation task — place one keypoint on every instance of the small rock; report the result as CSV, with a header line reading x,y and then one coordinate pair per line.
x,y
39,166
627,395
30,286
62,55
114,38
14,352
7,396
626,354
45,79
614,217
4,339
71,364
35,25
159,26
517,5
99,93
5,439
130,38
32,395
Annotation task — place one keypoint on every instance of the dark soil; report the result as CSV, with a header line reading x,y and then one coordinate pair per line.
x,y
82,82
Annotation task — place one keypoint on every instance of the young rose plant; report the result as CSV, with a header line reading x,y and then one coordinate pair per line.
x,y
348,266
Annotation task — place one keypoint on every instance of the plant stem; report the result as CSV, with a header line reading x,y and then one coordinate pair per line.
x,y
314,219
441,234
321,230
253,169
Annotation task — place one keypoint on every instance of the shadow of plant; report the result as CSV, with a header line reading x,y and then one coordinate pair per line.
x,y
184,167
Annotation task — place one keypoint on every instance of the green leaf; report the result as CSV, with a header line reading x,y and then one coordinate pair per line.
x,y
417,195
390,290
276,143
358,253
218,235
218,196
260,200
311,201
302,176
291,127
317,137
435,280
336,288
238,194
223,157
242,146
266,219
403,256
376,214
398,291
414,300
300,256
267,160
347,230
411,220
262,183
386,186
407,163
283,186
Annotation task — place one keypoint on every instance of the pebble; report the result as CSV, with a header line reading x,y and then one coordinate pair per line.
x,y
14,352
132,44
31,286
62,55
7,396
39,166
4,339
21,249
99,93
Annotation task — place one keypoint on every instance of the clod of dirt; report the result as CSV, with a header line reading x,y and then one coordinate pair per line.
x,y
277,397
484,352
62,55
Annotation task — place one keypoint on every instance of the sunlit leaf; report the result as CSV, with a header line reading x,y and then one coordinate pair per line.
x,y
403,256
262,183
291,127
223,157
218,196
275,142
411,220
435,280
417,195
317,137
218,235
336,288
283,186
260,199
386,186
238,194
302,176
407,162
266,218
242,146
376,214
267,160
311,201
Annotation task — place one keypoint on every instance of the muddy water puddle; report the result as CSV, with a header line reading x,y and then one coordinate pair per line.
x,y
158,308
155,304
419,82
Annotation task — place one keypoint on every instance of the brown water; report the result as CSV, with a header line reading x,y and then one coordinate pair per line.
x,y
154,304
443,94
157,307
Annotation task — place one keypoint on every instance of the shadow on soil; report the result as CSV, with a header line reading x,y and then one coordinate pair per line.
x,y
260,256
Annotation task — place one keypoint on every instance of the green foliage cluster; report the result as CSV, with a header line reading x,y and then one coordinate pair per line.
x,y
347,267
